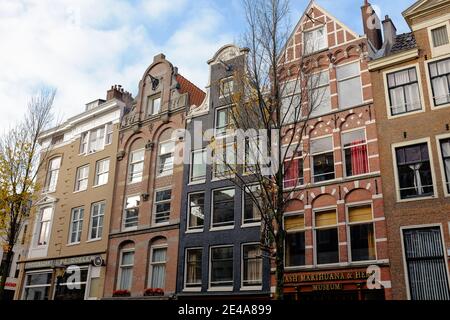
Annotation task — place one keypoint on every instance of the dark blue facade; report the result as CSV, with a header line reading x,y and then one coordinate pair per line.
x,y
222,67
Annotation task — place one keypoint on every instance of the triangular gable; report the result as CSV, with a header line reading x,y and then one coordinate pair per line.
x,y
45,200
421,5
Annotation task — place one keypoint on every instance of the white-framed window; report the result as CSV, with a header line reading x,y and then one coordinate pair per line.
x,y
136,167
76,225
404,91
440,81
44,224
226,87
96,139
162,206
354,144
193,268
326,236
224,158
252,265
223,121
196,211
223,208
126,269
131,212
221,266
444,145
154,105
101,172
322,156
198,165
166,158
97,217
315,40
82,178
294,225
319,93
291,102
414,171
37,285
439,36
361,233
293,166
52,174
158,267
251,196
349,85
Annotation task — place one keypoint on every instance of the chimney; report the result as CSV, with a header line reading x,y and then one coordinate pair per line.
x,y
117,92
372,25
389,31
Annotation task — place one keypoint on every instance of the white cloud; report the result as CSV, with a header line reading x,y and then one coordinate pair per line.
x,y
83,47
163,9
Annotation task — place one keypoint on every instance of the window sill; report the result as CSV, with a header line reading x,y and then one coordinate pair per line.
x,y
73,244
193,183
221,228
99,185
194,231
221,178
417,199
93,240
219,289
391,117
129,229
79,191
129,183
162,175
161,224
199,289
251,225
442,106
251,288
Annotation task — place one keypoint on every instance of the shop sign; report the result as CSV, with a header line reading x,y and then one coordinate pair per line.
x,y
298,278
59,262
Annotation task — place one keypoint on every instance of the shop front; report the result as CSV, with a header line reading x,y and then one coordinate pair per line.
x,y
74,278
340,285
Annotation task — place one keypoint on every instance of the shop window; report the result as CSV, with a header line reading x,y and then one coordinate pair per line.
x,y
37,286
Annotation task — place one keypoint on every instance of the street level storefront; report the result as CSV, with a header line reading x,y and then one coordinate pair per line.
x,y
73,278
336,285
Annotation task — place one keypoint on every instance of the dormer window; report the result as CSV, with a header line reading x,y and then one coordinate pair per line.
x,y
439,36
153,105
96,139
314,40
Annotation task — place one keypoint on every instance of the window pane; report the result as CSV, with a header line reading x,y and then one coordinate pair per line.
x,y
198,165
355,152
323,166
222,266
350,92
295,249
327,246
196,211
440,36
252,196
193,267
223,208
347,71
362,242
252,259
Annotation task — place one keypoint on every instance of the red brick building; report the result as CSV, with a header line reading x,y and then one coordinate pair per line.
x,y
335,224
143,241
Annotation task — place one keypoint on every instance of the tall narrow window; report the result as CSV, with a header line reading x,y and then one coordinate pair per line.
x,y
83,143
426,263
322,159
45,218
362,237
327,243
319,94
126,270
52,174
136,166
198,166
445,151
224,121
131,214
355,152
223,208
315,40
224,159
76,225
252,204
154,105
221,267
404,92
349,85
97,216
196,212
166,157
252,265
294,225
226,87
440,81
82,178
291,102
439,36
96,139
101,172
193,268
109,133
162,206
293,166
414,171
158,267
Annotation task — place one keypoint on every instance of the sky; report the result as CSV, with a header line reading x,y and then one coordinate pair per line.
x,y
82,47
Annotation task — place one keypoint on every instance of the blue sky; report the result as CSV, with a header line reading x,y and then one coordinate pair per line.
x,y
82,47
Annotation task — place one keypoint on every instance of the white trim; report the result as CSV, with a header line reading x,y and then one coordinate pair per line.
x,y
394,162
91,218
188,212
251,287
441,162
429,22
211,227
441,50
393,60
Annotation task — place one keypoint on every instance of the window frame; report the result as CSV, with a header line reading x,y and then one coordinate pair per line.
x,y
430,83
107,139
225,227
229,126
325,86
366,143
444,177
79,180
347,79
26,286
132,163
441,50
191,170
121,266
302,157
222,93
257,286
224,147
254,222
150,109
49,186
293,214
98,174
38,233
314,29
79,221
388,96
315,228
312,155
124,212
188,227
155,203
100,217
168,172
396,177
152,264
224,287
197,287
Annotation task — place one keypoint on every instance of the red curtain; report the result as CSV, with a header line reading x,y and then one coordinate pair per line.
x,y
359,160
291,173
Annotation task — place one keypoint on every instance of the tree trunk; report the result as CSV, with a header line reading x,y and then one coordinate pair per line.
x,y
279,261
5,268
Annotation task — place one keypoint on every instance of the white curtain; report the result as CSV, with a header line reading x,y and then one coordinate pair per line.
x,y
417,180
440,88
397,100
412,97
125,278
